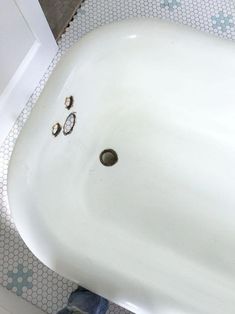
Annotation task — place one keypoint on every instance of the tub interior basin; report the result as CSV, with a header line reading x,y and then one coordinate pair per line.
x,y
132,196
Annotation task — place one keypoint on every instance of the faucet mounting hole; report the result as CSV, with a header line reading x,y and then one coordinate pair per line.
x,y
56,128
108,157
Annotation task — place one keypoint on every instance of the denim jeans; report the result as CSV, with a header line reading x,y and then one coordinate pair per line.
x,y
85,302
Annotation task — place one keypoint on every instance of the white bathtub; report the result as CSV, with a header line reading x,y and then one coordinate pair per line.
x,y
155,232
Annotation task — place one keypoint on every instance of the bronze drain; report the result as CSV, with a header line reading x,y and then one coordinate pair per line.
x,y
108,157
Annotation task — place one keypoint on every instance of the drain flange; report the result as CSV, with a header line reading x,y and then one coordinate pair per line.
x,y
108,157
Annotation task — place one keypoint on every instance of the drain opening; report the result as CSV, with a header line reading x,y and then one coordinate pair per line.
x,y
108,157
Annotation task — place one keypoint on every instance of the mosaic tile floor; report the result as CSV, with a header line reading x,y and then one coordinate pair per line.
x,y
20,271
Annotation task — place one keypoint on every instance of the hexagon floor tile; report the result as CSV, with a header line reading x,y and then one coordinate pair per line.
x,y
20,271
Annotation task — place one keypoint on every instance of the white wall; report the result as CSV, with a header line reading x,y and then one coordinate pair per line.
x,y
16,37
12,304
27,47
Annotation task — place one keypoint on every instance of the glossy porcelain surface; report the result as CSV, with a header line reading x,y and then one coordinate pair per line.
x,y
155,232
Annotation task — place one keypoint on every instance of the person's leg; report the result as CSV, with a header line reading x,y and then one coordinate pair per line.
x,y
86,302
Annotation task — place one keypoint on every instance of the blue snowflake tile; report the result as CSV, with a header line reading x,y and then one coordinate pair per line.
x,y
19,278
170,4
222,22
